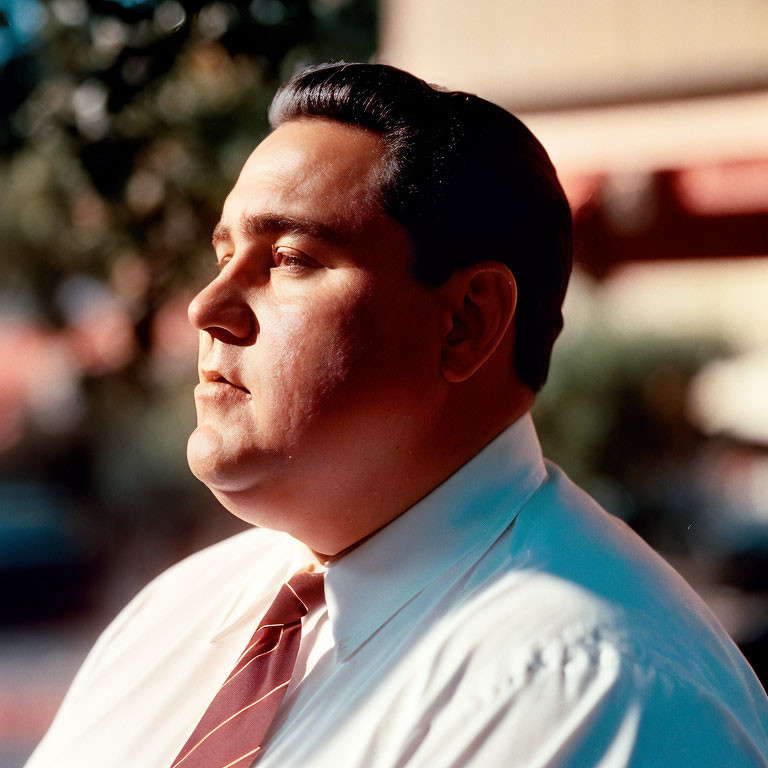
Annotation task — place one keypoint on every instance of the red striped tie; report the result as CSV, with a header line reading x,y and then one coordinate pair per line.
x,y
230,732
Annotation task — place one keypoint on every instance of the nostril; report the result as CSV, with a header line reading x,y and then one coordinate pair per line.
x,y
223,313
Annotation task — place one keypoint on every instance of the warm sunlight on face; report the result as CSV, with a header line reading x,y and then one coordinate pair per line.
x,y
318,349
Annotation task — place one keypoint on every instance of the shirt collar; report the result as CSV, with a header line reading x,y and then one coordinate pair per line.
x,y
458,520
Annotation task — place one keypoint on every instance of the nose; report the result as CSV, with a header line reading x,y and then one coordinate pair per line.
x,y
221,309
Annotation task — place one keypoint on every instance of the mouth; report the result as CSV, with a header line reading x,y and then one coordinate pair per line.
x,y
215,377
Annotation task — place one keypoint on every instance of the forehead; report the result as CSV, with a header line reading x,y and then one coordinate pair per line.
x,y
310,168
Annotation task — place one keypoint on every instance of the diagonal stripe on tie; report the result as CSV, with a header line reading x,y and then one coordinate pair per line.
x,y
234,725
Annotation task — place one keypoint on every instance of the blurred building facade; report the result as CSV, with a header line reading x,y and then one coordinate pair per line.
x,y
655,113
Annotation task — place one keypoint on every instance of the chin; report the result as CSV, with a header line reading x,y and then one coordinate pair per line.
x,y
227,466
210,463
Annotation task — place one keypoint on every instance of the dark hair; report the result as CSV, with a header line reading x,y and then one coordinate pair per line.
x,y
465,177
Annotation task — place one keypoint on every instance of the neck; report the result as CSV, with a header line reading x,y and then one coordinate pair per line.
x,y
461,433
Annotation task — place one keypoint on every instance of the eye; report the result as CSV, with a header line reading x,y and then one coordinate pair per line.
x,y
223,261
291,260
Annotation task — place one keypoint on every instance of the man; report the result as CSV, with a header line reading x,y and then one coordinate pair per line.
x,y
392,263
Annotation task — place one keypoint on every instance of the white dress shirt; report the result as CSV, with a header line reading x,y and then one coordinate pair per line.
x,y
503,621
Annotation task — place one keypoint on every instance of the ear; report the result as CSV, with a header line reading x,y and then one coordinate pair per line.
x,y
481,305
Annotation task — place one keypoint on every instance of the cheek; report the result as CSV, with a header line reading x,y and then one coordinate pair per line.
x,y
398,335
308,349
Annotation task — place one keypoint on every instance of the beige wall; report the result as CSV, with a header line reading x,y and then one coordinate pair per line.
x,y
534,53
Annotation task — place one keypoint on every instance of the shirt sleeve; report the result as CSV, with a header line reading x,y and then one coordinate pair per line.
x,y
607,713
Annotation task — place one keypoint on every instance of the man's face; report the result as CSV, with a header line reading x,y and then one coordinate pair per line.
x,y
319,353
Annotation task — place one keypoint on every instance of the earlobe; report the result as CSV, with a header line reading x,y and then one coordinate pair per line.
x,y
482,304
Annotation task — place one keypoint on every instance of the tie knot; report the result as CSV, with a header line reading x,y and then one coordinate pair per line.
x,y
309,588
296,599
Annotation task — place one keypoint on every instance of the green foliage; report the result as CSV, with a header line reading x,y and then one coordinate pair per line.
x,y
126,122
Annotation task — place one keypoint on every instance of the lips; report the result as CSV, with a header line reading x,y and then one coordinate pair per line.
x,y
212,376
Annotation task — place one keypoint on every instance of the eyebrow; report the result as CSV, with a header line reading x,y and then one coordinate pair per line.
x,y
254,225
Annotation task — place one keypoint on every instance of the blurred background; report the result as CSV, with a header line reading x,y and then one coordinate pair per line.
x,y
123,123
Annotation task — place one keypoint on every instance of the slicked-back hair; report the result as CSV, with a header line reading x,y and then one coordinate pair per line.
x,y
465,177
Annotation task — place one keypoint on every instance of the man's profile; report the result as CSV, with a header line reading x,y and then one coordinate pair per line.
x,y
392,264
